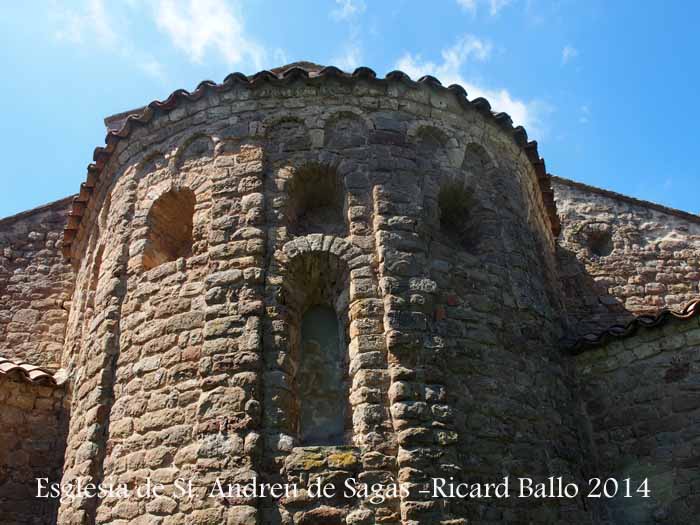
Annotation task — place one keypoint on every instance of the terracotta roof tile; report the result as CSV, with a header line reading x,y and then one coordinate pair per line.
x,y
593,340
26,372
281,76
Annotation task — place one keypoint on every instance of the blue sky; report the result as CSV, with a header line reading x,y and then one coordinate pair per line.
x,y
608,89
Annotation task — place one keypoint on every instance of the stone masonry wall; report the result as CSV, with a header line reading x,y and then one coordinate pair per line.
x,y
189,369
642,401
32,441
620,257
36,284
498,395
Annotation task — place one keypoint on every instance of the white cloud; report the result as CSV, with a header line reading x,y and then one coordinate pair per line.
x,y
466,47
526,113
92,24
152,68
568,54
350,55
195,26
347,9
453,58
494,6
198,28
469,5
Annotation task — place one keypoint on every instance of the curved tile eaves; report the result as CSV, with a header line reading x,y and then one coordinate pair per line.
x,y
593,340
102,154
26,372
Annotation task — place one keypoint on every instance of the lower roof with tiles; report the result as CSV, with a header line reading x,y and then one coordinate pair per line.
x,y
26,372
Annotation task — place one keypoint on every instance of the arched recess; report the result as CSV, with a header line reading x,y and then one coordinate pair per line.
x,y
170,222
196,151
431,148
344,130
316,201
309,399
467,202
287,135
172,203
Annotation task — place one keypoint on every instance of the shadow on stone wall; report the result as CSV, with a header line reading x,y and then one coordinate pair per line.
x,y
642,406
590,308
33,430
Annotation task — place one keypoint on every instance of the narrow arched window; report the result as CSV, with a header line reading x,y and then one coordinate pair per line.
x,y
321,378
169,228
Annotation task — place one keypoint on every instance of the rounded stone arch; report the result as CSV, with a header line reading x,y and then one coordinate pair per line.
x,y
169,227
314,269
175,203
338,247
432,163
345,127
435,152
348,111
286,133
461,204
274,120
477,156
314,273
194,151
429,140
418,127
480,172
